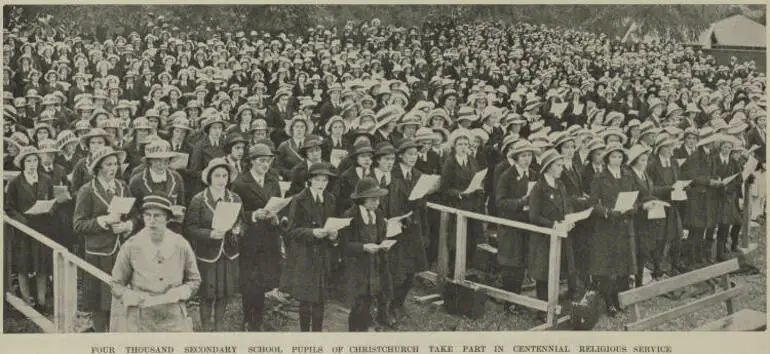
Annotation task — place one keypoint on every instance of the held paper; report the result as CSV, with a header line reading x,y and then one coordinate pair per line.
x,y
41,207
225,215
575,217
626,201
121,205
477,182
275,205
337,224
425,185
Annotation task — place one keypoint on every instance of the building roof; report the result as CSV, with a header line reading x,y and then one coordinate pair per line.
x,y
735,31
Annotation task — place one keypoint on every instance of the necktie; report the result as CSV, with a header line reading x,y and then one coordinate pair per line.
x,y
408,176
372,217
382,181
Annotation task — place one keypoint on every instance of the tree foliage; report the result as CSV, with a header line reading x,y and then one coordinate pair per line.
x,y
675,21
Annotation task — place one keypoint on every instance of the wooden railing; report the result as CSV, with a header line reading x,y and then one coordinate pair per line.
x,y
551,307
65,279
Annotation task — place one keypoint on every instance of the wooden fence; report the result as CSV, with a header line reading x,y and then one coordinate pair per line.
x,y
551,307
65,280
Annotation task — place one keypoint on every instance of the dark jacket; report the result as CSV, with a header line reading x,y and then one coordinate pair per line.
x,y
701,198
93,201
197,228
511,200
547,205
610,247
365,273
307,269
260,245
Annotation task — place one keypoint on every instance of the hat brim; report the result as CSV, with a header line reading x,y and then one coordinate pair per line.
x,y
162,155
232,172
119,153
324,172
547,164
20,157
608,151
372,193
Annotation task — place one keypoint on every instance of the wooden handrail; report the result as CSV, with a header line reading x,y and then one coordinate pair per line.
x,y
82,264
34,234
497,220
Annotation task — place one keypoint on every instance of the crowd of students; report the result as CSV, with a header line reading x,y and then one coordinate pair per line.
x,y
346,122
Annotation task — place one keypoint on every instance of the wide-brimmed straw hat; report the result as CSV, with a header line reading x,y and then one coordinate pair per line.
x,y
103,153
218,162
23,153
548,158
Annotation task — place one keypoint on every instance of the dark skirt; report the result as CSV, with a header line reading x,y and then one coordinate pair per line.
x,y
219,279
98,295
30,256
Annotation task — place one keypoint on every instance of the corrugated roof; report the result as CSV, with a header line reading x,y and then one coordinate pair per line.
x,y
736,30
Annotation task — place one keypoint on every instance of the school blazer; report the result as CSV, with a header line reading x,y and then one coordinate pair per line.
x,y
92,202
197,228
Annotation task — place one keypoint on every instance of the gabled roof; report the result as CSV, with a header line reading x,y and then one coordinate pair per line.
x,y
737,30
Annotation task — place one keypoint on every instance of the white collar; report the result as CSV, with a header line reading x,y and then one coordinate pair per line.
x,y
317,195
217,196
405,170
111,184
615,173
550,180
639,173
157,177
257,177
378,173
31,178
360,172
365,214
664,161
521,171
462,160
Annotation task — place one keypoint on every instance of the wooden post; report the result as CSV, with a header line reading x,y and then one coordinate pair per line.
x,y
726,286
443,251
58,291
554,267
746,215
460,247
70,297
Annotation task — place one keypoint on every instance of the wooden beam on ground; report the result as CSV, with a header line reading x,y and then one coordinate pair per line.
x,y
658,288
46,325
559,322
686,309
427,298
526,301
